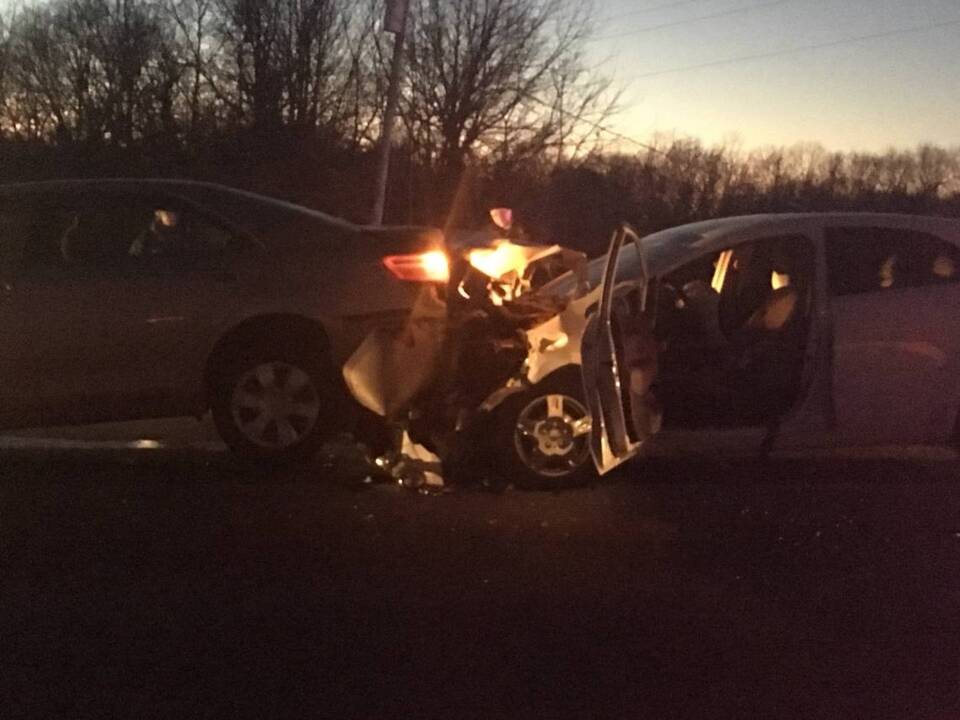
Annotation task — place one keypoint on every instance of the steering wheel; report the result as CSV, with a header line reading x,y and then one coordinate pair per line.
x,y
673,299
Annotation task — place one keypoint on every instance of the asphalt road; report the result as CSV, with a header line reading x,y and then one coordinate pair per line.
x,y
173,583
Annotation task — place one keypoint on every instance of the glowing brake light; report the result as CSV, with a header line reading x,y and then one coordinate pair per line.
x,y
424,267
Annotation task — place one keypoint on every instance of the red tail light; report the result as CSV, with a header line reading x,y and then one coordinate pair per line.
x,y
428,267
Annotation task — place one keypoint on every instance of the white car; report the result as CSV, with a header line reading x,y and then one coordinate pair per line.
x,y
775,331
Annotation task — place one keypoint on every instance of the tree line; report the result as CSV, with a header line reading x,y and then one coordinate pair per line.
x,y
497,78
500,105
673,181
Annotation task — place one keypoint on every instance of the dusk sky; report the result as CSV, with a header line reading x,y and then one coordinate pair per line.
x,y
897,90
849,74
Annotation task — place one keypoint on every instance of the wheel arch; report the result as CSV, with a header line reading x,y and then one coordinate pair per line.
x,y
274,327
569,372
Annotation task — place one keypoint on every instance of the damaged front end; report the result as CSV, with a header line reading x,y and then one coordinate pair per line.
x,y
499,327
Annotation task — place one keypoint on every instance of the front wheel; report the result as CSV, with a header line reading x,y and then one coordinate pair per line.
x,y
273,404
542,438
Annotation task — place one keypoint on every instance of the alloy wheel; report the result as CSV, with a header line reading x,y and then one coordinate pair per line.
x,y
275,405
552,435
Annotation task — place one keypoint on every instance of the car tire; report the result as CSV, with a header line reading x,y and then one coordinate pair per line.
x,y
538,437
274,403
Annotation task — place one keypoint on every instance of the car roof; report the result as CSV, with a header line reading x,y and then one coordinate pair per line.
x,y
672,247
201,192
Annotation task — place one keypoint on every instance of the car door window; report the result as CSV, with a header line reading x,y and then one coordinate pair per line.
x,y
875,259
126,238
14,230
75,238
894,339
181,239
759,271
102,239
47,238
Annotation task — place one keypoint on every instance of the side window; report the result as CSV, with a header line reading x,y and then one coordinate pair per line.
x,y
759,272
628,266
181,239
701,271
103,239
47,237
125,237
15,227
873,259
83,235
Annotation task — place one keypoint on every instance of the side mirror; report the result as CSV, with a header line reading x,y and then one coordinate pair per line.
x,y
502,218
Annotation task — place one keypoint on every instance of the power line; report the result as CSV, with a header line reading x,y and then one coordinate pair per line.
x,y
596,125
619,135
799,49
646,11
747,58
599,127
700,18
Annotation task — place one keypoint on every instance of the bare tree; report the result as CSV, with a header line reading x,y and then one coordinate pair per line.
x,y
88,70
4,63
365,79
51,71
937,170
200,51
128,47
497,78
287,59
580,102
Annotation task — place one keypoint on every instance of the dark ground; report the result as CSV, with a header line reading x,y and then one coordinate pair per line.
x,y
171,583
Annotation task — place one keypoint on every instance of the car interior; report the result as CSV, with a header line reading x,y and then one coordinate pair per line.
x,y
733,330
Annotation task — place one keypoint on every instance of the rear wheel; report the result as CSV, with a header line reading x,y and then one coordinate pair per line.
x,y
542,438
273,403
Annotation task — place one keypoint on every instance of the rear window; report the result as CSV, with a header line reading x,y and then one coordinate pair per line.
x,y
875,259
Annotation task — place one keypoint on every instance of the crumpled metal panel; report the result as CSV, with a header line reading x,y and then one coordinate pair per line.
x,y
392,365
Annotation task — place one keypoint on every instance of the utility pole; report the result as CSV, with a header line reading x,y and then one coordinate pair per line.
x,y
396,23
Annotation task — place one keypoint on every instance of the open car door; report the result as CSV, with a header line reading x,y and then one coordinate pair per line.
x,y
619,361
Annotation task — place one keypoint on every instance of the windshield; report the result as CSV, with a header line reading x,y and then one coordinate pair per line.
x,y
664,249
629,266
